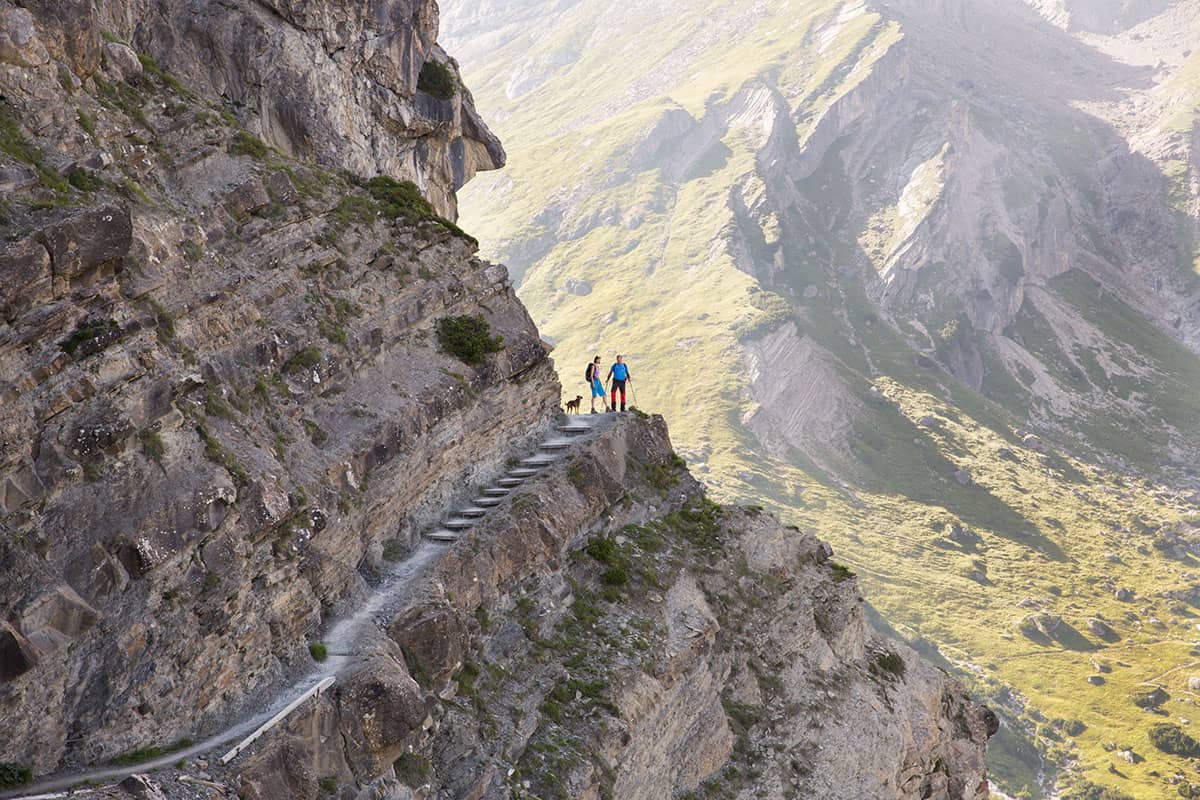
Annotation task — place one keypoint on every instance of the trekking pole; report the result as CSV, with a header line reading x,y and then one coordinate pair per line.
x,y
633,394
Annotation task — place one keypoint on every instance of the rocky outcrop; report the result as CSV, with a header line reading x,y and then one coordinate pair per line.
x,y
334,83
610,630
223,395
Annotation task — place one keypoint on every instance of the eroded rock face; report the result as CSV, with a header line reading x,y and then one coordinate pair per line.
x,y
728,647
221,390
332,82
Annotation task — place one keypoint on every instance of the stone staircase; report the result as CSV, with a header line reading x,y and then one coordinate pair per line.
x,y
551,449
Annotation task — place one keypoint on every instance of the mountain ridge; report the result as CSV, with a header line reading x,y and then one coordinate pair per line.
x,y
932,294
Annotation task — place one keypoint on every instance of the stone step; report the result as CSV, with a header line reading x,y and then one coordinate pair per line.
x,y
510,483
540,460
575,427
472,511
523,472
496,491
458,523
488,502
558,443
442,535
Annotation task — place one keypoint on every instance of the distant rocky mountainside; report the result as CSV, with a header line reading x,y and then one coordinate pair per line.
x,y
924,274
249,365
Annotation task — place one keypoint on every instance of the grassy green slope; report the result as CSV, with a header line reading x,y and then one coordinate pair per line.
x,y
1053,534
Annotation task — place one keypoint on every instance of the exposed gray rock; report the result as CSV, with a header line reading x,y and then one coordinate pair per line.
x,y
121,61
25,277
19,43
85,242
142,787
578,287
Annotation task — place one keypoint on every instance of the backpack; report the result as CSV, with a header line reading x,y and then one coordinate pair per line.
x,y
587,373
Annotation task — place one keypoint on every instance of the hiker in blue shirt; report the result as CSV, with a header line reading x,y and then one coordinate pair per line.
x,y
619,374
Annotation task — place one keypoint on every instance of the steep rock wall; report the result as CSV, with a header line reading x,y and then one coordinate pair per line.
x,y
610,632
224,399
331,82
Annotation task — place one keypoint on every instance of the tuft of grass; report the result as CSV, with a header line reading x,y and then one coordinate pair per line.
x,y
125,98
437,79
328,785
841,572
468,338
215,452
245,143
305,359
887,664
85,181
165,78
215,405
12,774
13,143
86,122
399,198
412,769
91,336
192,251
152,752
318,651
152,445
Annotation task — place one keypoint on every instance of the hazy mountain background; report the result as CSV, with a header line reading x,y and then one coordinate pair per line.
x,y
925,274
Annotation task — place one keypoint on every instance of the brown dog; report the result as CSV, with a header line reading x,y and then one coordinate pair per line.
x,y
573,405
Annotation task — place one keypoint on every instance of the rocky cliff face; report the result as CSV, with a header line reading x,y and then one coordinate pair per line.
x,y
240,380
360,86
223,394
610,632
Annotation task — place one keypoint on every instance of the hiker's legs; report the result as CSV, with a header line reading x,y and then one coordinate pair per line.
x,y
598,391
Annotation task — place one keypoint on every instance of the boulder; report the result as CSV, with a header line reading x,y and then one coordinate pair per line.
x,y
1124,595
142,787
1194,683
382,711
247,198
266,505
432,640
17,655
17,176
1035,443
19,42
87,241
578,287
1095,680
24,277
1101,629
963,477
121,61
57,616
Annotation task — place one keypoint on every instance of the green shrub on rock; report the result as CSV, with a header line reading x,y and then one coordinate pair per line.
x,y
438,80
468,338
14,774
